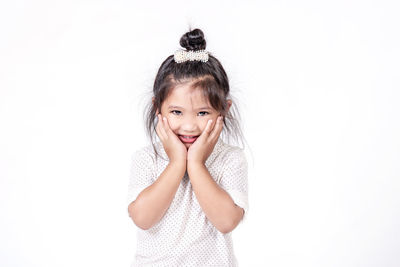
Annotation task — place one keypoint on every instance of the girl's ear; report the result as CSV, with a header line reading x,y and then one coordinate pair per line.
x,y
229,102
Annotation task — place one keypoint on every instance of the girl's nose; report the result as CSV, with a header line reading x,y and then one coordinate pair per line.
x,y
189,125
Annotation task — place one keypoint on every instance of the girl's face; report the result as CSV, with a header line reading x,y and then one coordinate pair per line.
x,y
188,112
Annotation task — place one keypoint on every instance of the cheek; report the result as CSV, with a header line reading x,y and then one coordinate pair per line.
x,y
173,122
202,125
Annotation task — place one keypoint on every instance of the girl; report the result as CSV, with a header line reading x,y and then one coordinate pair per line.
x,y
188,191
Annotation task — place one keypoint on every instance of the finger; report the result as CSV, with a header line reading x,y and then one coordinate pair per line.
x,y
214,125
208,128
160,128
158,131
168,130
217,129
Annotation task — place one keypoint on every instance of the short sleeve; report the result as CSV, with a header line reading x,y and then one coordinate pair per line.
x,y
142,174
234,179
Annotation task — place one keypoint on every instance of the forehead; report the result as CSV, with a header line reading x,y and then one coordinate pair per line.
x,y
186,96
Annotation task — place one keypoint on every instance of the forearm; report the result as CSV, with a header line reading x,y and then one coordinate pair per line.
x,y
216,203
152,203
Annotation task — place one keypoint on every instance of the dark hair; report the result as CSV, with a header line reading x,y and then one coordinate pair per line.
x,y
209,76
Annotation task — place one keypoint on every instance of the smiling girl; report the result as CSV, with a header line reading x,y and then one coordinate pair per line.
x,y
189,190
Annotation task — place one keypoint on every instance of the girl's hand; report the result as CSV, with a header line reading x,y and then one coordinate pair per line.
x,y
174,147
203,146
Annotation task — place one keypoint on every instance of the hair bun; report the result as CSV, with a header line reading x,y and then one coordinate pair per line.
x,y
193,40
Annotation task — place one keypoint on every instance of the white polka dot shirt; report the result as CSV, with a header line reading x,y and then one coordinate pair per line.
x,y
184,236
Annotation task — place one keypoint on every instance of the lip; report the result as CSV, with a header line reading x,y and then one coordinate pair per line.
x,y
188,140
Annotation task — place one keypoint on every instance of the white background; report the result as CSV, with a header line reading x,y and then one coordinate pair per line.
x,y
318,89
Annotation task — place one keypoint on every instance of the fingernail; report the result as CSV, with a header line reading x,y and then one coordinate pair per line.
x,y
164,118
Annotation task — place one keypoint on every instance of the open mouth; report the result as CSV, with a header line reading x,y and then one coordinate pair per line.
x,y
188,138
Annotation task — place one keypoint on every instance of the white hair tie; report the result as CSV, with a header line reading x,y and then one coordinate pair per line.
x,y
183,55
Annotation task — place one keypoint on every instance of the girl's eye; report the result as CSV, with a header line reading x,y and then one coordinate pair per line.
x,y
176,112
203,112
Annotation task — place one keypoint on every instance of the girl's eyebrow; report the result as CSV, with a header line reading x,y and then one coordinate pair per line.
x,y
171,106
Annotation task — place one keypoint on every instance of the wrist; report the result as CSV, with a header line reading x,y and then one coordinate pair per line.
x,y
178,164
195,160
192,165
